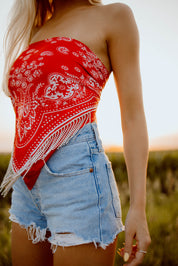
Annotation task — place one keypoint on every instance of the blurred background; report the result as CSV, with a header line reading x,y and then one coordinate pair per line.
x,y
157,22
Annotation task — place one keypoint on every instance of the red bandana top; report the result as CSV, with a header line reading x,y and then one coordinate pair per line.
x,y
55,87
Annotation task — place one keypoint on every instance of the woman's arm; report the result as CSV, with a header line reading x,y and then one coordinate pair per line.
x,y
123,47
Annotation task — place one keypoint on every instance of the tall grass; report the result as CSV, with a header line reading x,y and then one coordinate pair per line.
x,y
5,239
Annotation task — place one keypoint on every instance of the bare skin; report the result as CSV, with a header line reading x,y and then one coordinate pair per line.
x,y
115,41
41,254
24,252
83,22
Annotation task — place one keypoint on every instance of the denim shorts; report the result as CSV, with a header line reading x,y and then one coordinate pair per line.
x,y
75,197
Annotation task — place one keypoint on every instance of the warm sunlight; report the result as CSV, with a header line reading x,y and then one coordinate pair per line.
x,y
159,64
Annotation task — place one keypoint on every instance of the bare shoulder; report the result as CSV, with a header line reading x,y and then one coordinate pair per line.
x,y
117,7
118,10
120,20
122,36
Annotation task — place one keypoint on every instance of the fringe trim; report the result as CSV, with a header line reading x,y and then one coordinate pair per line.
x,y
59,138
34,233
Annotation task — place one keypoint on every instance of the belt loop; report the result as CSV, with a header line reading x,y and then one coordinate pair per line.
x,y
97,137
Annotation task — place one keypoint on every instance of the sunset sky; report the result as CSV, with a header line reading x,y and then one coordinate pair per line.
x,y
157,22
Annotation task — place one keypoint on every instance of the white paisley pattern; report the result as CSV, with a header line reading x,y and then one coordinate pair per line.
x,y
55,86
47,53
63,50
60,87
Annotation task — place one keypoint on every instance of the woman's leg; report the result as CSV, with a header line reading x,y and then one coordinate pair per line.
x,y
85,255
24,252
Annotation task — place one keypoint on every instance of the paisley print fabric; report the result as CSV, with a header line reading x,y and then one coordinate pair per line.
x,y
55,86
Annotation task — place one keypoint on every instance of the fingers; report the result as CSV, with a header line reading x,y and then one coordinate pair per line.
x,y
136,260
128,246
137,257
120,251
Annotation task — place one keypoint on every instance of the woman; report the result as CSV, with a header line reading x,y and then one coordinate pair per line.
x,y
64,191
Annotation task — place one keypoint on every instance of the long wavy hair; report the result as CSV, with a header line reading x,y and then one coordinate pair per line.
x,y
23,16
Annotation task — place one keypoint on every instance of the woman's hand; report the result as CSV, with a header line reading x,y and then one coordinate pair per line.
x,y
135,228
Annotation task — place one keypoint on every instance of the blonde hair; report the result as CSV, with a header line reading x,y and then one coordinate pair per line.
x,y
24,16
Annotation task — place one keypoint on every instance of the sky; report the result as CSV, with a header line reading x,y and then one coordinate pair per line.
x,y
157,22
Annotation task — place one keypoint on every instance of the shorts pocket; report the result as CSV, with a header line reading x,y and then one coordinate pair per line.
x,y
70,173
70,160
116,204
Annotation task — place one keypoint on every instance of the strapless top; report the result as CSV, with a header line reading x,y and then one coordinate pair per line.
x,y
55,86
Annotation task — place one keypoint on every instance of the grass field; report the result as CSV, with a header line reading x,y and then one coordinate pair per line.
x,y
161,208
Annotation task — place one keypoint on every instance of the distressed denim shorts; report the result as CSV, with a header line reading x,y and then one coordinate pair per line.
x,y
75,197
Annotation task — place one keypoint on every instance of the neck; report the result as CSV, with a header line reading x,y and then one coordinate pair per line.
x,y
62,6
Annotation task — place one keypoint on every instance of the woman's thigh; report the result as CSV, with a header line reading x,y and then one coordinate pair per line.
x,y
24,252
85,255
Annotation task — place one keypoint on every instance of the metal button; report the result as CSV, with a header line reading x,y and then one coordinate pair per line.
x,y
91,170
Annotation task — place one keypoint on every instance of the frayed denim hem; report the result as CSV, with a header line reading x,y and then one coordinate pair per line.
x,y
71,239
36,234
67,240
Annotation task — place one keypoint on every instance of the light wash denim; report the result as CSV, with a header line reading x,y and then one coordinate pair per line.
x,y
75,193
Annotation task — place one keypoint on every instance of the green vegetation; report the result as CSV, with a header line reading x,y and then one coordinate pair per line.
x,y
4,161
161,208
5,240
